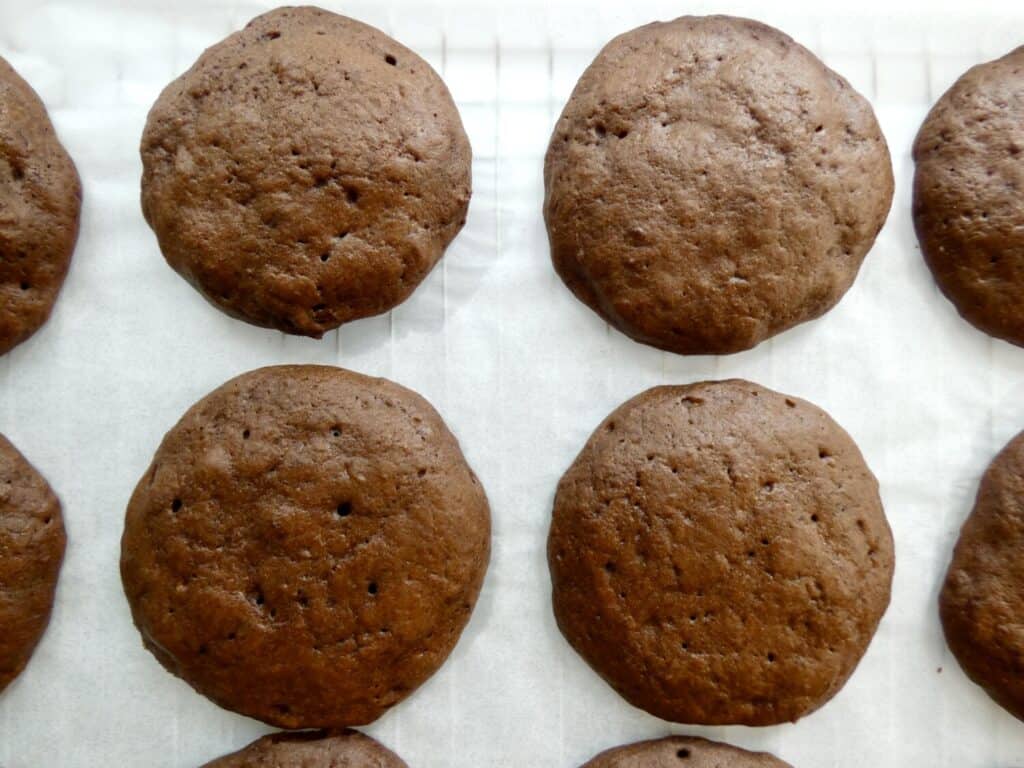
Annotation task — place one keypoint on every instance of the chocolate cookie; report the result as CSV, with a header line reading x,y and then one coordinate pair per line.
x,y
306,171
967,195
711,183
306,546
40,201
982,601
719,554
31,550
683,752
349,749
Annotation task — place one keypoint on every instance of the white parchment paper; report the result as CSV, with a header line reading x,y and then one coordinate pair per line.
x,y
521,371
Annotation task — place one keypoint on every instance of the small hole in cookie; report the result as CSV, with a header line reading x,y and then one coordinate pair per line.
x,y
824,454
609,567
343,234
246,434
272,35
790,403
345,509
819,129
391,60
260,599
771,658
814,518
335,432
47,520
421,473
372,588
682,754
601,130
325,256
175,505
352,194
622,134
25,286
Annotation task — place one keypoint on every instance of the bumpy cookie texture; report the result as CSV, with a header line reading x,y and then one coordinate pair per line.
x,y
967,195
711,183
40,201
306,546
305,172
31,550
349,749
982,600
683,752
719,554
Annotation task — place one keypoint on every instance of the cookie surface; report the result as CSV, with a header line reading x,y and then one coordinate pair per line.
x,y
982,600
40,202
719,554
349,749
686,751
306,546
968,183
711,183
31,550
306,171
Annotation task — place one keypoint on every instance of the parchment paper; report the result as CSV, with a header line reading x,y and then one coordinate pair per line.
x,y
521,371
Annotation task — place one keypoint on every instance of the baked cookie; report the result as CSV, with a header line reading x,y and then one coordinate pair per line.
x,y
306,546
982,601
306,171
349,749
31,550
40,202
711,183
719,554
686,751
967,195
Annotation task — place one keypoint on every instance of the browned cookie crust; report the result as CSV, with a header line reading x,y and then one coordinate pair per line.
x,y
307,171
40,201
719,554
967,195
349,749
982,601
306,546
31,550
683,752
711,183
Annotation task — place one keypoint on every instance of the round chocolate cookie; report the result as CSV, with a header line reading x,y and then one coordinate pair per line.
x,y
316,749
306,171
683,752
982,601
711,183
719,554
31,550
306,546
40,202
967,195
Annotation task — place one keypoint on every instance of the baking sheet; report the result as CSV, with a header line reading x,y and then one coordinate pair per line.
x,y
521,371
